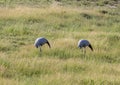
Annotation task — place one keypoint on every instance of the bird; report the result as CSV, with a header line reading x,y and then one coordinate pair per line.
x,y
40,42
83,43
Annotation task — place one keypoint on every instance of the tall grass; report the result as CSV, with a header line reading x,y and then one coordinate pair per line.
x,y
22,64
43,3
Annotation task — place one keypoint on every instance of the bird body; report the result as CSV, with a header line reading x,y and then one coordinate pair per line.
x,y
41,41
84,43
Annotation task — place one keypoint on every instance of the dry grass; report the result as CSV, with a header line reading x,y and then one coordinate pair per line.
x,y
22,64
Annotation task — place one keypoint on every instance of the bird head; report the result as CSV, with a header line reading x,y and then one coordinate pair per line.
x,y
80,46
36,45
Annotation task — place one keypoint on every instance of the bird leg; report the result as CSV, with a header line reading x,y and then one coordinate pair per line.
x,y
84,52
40,49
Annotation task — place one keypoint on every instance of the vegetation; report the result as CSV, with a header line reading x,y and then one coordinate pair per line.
x,y
63,23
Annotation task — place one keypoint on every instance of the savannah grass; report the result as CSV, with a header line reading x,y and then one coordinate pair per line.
x,y
64,64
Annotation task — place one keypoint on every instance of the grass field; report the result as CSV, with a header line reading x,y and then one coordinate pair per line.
x,y
63,23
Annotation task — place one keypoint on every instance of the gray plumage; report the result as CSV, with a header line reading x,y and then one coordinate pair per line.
x,y
83,44
40,42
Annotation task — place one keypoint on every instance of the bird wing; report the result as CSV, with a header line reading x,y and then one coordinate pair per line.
x,y
90,46
48,44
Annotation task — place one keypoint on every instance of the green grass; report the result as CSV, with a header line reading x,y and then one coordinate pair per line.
x,y
63,23
43,3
